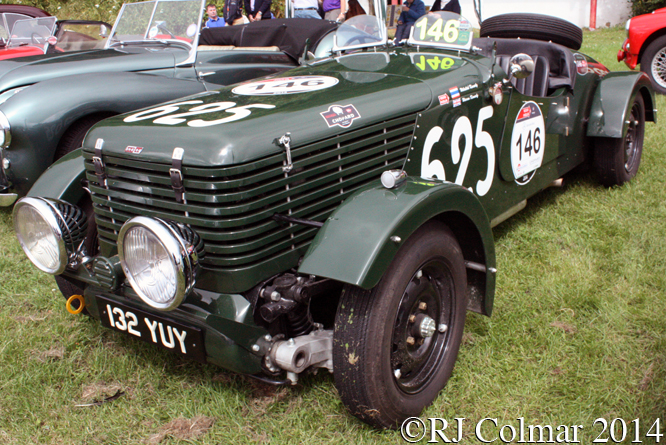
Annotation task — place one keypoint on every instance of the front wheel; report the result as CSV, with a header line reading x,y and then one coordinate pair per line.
x,y
653,63
394,346
616,160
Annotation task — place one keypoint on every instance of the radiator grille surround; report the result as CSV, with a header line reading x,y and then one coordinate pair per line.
x,y
231,207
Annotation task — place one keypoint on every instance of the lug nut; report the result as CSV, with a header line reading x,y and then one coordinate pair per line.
x,y
412,318
442,328
423,306
275,295
419,274
410,341
255,348
397,373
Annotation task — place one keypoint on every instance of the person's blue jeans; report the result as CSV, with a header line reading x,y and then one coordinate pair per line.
x,y
306,14
402,31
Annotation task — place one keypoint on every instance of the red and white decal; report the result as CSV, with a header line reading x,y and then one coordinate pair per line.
x,y
581,64
444,99
340,115
528,141
133,149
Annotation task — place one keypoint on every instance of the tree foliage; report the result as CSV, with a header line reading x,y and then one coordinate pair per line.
x,y
639,7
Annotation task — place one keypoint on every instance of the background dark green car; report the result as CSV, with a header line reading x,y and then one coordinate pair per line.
x,y
154,53
337,215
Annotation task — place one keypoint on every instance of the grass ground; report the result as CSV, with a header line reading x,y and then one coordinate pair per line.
x,y
578,333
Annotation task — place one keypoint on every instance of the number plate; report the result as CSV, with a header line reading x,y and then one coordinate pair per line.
x,y
160,331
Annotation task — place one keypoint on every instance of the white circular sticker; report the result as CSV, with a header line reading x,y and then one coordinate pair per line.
x,y
528,140
285,85
153,32
191,30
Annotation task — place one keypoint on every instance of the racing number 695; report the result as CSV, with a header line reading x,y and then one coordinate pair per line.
x,y
462,128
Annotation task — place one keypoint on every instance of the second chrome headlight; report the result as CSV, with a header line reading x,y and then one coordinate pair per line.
x,y
159,263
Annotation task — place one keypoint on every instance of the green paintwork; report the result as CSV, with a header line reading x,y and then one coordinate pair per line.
x,y
226,320
612,100
355,245
407,118
62,180
65,88
232,143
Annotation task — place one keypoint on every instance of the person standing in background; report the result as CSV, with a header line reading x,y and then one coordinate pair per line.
x,y
214,21
335,10
233,14
258,10
452,6
411,11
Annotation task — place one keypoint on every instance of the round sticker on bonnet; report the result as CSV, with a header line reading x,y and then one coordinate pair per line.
x,y
528,140
285,85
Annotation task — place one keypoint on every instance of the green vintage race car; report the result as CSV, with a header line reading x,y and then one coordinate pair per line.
x,y
338,215
154,53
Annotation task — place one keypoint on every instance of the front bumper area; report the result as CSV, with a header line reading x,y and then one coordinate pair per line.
x,y
7,199
630,59
225,321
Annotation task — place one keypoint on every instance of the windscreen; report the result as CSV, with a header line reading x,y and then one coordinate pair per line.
x,y
32,31
162,20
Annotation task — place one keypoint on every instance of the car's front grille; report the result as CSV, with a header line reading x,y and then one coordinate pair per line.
x,y
232,207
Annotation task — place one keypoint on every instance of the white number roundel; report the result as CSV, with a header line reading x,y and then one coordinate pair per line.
x,y
528,140
285,85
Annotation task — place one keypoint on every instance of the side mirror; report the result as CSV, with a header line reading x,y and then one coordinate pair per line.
x,y
521,66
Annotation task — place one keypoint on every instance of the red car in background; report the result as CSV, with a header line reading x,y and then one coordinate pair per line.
x,y
40,35
646,44
9,14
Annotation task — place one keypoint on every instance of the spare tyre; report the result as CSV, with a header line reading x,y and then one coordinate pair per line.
x,y
533,26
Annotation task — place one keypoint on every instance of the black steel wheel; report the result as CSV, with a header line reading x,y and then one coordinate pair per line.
x,y
653,63
616,160
533,26
394,346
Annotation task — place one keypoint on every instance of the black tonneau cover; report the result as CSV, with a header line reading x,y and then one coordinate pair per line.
x,y
287,34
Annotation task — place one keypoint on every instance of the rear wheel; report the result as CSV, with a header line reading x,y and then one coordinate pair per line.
x,y
616,160
533,26
395,346
653,63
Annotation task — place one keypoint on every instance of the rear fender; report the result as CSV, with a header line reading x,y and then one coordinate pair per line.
x,y
613,99
360,239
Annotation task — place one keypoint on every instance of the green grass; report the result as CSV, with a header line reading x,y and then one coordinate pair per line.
x,y
578,333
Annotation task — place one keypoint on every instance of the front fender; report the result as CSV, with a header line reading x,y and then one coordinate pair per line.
x,y
355,244
612,101
41,114
62,180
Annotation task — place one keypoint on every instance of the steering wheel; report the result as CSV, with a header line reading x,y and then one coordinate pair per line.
x,y
163,27
37,39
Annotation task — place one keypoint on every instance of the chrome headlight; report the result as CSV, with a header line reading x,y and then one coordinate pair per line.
x,y
158,260
40,235
5,135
